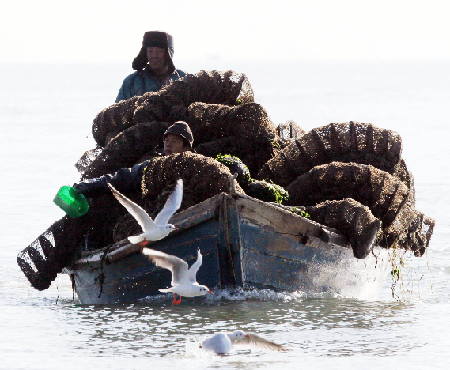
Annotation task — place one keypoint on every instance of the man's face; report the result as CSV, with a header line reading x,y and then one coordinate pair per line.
x,y
156,58
173,144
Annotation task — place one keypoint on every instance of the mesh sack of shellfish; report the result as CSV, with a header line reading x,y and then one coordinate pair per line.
x,y
63,241
388,198
254,137
213,87
169,103
381,192
46,256
159,106
344,142
411,229
418,234
404,175
351,218
203,177
127,148
112,120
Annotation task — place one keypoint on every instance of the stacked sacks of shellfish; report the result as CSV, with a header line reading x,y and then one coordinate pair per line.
x,y
126,132
220,110
350,176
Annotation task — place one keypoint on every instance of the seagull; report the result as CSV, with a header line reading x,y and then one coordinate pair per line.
x,y
159,228
222,343
184,279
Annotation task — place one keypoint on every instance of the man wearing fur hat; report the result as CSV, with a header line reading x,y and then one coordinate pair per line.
x,y
154,66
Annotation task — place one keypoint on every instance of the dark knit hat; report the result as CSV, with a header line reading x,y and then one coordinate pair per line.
x,y
158,39
182,129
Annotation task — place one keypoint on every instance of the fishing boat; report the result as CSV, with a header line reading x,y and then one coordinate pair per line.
x,y
245,243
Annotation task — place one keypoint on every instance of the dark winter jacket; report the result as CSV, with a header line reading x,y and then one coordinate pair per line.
x,y
125,180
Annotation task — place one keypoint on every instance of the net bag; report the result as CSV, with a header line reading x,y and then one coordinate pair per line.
x,y
203,177
247,128
388,198
352,219
127,148
343,142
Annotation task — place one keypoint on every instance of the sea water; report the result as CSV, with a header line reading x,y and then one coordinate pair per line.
x,y
46,112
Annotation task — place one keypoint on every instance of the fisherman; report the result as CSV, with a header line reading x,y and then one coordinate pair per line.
x,y
178,138
154,66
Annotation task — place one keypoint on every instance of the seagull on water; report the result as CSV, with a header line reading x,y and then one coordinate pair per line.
x,y
152,229
184,279
222,343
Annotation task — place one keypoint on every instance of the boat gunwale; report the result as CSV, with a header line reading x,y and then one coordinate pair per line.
x,y
196,215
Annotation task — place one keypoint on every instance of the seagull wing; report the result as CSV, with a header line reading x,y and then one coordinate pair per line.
x,y
143,219
256,340
177,266
172,204
192,273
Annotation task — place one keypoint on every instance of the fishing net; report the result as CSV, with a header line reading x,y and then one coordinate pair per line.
x,y
169,104
344,142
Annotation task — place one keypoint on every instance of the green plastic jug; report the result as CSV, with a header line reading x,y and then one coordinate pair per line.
x,y
72,202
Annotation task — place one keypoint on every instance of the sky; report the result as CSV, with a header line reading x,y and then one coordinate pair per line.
x,y
111,31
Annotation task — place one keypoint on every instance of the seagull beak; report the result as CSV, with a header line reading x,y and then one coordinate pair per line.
x,y
210,291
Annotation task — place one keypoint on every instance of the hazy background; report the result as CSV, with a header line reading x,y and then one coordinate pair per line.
x,y
111,31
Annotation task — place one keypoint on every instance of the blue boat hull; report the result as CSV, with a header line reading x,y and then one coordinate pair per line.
x,y
244,242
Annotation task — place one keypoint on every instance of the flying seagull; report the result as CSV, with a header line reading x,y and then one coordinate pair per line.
x,y
222,343
152,229
184,279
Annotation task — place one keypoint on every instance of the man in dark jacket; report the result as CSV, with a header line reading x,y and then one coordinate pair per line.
x,y
154,66
178,138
